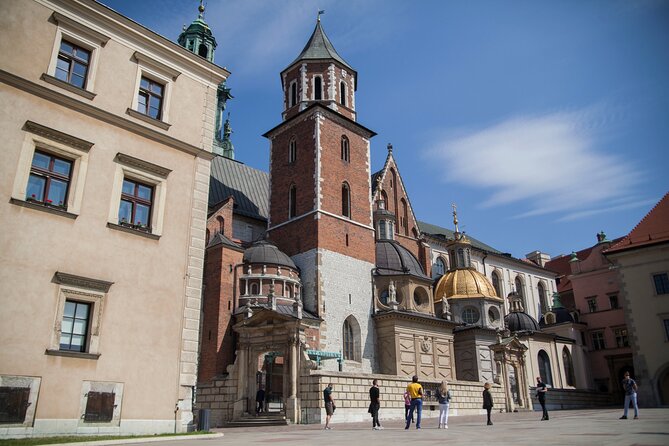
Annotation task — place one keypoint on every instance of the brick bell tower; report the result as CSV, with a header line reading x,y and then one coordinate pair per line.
x,y
320,200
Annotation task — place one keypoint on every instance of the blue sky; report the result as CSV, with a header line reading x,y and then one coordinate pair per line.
x,y
545,122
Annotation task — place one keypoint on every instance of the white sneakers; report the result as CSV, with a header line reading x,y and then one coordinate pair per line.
x,y
378,428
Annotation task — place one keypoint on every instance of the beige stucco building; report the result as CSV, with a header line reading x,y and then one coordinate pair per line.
x,y
642,261
107,133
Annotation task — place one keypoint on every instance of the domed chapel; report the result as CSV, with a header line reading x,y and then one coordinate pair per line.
x,y
318,271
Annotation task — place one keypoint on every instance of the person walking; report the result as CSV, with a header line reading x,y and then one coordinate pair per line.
x,y
260,400
630,387
375,404
487,401
541,395
329,405
444,398
407,405
416,394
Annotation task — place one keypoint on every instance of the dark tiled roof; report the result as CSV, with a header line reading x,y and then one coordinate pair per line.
x,y
265,253
437,231
652,229
393,258
319,47
520,321
248,186
220,239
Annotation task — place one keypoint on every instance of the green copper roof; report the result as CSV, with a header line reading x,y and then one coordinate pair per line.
x,y
319,47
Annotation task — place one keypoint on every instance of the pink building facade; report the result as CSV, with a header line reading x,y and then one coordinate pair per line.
x,y
593,281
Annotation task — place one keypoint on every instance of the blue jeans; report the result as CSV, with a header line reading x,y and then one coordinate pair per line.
x,y
631,397
417,405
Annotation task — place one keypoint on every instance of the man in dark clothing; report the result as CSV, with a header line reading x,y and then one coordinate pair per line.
x,y
260,400
329,405
375,405
541,395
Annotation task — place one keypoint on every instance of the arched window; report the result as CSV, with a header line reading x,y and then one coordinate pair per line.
x,y
345,150
292,150
439,268
342,93
405,217
542,297
350,339
395,209
568,367
496,283
293,94
221,224
203,50
545,368
345,200
519,286
318,88
292,201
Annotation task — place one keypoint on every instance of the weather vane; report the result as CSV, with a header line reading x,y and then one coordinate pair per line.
x,y
320,12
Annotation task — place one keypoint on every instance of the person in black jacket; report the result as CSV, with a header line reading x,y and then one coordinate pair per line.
x,y
375,404
541,395
487,401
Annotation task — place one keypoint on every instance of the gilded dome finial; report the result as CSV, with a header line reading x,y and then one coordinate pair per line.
x,y
201,9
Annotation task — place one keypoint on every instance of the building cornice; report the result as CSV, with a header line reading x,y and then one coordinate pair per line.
x,y
126,28
101,115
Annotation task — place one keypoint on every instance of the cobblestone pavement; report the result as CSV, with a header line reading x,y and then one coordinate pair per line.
x,y
566,427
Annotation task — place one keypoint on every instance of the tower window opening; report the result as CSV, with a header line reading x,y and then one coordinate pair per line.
x,y
292,201
203,50
345,149
345,200
318,88
292,151
293,94
342,93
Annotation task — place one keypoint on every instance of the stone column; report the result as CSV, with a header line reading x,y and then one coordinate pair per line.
x,y
292,400
242,383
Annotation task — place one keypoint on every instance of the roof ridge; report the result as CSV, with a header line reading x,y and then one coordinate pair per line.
x,y
627,240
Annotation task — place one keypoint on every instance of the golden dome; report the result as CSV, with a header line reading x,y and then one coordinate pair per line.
x,y
464,283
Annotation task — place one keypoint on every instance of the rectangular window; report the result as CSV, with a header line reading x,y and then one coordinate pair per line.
x,y
661,283
99,407
13,404
74,329
598,340
592,305
613,300
135,208
621,337
150,98
49,180
72,64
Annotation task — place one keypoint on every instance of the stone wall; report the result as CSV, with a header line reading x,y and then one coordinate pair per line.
x,y
351,394
558,399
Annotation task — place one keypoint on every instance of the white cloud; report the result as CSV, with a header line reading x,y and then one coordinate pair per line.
x,y
553,163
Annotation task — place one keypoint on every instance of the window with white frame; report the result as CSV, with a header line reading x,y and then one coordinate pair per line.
x,y
153,88
351,339
138,197
439,268
78,316
318,88
661,282
75,56
51,171
496,283
598,342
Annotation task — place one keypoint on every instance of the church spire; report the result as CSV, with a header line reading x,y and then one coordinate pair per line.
x,y
198,37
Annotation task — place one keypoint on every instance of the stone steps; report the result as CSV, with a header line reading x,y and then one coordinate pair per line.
x,y
262,420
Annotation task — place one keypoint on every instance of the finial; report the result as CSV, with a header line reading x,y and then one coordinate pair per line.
x,y
390,148
201,9
455,217
318,16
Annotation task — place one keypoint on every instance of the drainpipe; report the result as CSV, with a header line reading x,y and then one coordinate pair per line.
x,y
483,261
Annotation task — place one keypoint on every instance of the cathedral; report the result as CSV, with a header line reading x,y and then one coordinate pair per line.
x,y
319,271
